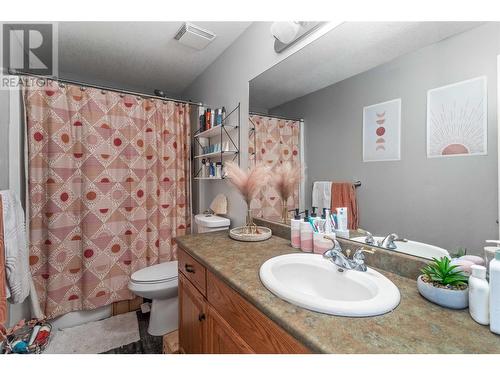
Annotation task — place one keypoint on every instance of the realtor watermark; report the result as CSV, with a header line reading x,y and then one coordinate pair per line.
x,y
27,48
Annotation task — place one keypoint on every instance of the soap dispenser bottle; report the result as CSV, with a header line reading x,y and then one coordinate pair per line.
x,y
495,293
295,229
479,295
306,234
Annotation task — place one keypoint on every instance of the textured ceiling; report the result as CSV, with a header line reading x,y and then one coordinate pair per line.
x,y
138,55
347,50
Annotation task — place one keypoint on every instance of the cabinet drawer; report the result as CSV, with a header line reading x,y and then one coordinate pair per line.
x,y
260,333
193,270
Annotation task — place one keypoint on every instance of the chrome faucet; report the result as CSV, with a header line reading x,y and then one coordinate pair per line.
x,y
388,241
337,256
369,240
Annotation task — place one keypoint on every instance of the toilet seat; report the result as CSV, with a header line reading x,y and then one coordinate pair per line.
x,y
158,273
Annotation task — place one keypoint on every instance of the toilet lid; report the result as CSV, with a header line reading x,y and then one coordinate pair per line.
x,y
211,221
159,272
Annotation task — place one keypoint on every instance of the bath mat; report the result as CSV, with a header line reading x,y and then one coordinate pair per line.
x,y
96,337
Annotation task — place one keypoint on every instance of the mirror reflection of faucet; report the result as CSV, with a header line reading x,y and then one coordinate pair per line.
x,y
388,241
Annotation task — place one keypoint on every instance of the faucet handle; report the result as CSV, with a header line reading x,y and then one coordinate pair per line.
x,y
360,251
363,250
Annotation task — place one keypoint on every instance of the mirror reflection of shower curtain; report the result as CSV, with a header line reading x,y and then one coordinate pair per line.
x,y
273,141
109,190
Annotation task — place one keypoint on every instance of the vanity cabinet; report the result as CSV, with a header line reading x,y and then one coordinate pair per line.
x,y
192,319
215,319
222,338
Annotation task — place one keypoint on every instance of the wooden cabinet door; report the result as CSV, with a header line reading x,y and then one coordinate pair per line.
x,y
192,318
221,338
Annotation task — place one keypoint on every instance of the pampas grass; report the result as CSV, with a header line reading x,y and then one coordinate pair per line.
x,y
248,183
285,179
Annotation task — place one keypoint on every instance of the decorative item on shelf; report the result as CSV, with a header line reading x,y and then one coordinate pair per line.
x,y
248,183
285,178
444,284
218,169
204,171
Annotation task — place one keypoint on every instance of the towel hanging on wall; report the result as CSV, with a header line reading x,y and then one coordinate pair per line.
x,y
16,250
344,195
3,285
321,194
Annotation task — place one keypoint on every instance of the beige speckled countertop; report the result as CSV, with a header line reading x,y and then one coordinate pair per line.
x,y
415,326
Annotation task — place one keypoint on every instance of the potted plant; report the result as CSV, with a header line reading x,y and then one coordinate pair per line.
x,y
444,284
248,184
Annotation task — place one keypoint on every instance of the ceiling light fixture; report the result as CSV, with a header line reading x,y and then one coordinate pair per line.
x,y
288,33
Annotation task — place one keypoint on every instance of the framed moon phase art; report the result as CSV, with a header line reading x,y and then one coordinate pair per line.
x,y
457,119
382,131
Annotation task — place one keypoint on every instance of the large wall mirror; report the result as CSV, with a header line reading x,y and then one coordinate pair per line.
x,y
395,121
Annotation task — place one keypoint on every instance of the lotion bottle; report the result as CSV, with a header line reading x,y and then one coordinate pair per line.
x,y
295,229
495,293
342,221
328,224
479,295
306,234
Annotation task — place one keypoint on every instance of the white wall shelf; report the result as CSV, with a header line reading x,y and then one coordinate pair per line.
x,y
228,132
215,131
216,154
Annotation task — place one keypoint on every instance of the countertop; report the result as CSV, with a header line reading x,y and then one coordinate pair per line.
x,y
415,326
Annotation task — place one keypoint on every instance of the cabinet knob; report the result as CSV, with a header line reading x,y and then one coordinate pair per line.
x,y
201,317
189,268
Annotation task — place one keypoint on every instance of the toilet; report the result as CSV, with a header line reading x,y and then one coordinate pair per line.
x,y
210,223
159,283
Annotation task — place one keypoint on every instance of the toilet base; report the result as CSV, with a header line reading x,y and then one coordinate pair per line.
x,y
164,316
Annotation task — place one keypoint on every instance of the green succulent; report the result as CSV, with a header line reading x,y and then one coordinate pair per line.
x,y
442,272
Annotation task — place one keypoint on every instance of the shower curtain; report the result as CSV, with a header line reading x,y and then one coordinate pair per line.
x,y
108,180
272,142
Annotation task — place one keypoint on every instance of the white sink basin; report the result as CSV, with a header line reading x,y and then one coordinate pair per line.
x,y
415,248
315,283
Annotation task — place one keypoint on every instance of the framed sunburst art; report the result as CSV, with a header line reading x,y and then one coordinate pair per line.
x,y
457,119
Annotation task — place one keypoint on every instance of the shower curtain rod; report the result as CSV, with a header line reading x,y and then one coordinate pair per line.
x,y
112,89
274,116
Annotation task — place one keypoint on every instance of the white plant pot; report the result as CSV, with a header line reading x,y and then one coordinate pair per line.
x,y
452,299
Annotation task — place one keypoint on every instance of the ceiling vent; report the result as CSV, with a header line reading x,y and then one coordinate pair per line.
x,y
194,36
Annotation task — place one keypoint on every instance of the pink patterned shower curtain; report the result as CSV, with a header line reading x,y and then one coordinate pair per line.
x,y
274,141
108,190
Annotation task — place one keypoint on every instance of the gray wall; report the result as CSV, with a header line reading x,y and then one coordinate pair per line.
x,y
449,202
4,139
225,83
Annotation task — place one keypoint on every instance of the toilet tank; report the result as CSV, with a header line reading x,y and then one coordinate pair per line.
x,y
210,223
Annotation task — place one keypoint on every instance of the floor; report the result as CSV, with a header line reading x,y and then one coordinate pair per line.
x,y
146,345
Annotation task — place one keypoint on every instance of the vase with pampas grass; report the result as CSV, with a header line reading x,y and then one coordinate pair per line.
x,y
248,183
285,179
